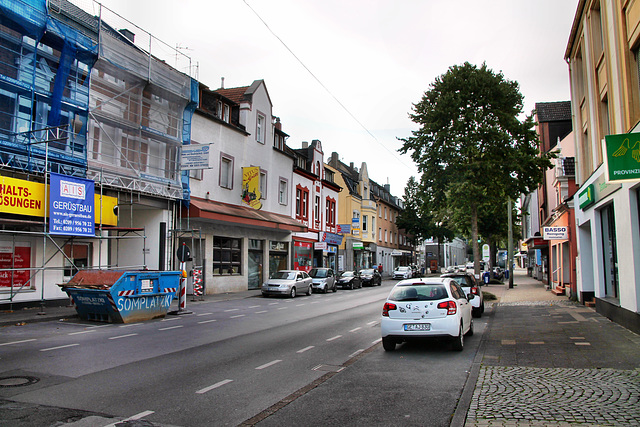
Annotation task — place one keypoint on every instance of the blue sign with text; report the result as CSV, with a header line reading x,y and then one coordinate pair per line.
x,y
71,206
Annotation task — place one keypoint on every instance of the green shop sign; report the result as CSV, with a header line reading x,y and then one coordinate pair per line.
x,y
623,157
586,197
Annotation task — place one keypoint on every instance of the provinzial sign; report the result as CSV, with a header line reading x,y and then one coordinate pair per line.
x,y
71,206
555,233
622,158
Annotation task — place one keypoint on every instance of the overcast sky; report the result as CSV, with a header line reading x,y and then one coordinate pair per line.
x,y
376,58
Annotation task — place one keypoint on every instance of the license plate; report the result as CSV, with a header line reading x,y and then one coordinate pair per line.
x,y
417,327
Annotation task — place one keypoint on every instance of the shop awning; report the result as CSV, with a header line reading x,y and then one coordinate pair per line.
x,y
217,211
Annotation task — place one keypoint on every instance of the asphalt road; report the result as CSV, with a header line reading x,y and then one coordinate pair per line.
x,y
268,361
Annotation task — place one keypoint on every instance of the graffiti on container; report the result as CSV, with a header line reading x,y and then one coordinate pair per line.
x,y
90,300
144,303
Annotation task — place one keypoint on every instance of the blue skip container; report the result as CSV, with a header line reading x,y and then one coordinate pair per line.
x,y
122,296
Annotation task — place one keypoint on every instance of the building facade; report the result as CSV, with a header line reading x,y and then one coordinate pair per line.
x,y
242,205
603,54
316,207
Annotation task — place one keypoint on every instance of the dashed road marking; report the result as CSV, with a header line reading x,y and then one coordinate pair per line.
x,y
334,338
355,329
123,336
59,347
266,365
170,327
237,315
207,321
216,385
305,349
17,342
263,311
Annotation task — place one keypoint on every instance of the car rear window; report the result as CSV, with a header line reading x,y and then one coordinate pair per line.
x,y
461,280
419,293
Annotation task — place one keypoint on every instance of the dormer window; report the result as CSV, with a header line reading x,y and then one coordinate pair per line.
x,y
226,113
219,110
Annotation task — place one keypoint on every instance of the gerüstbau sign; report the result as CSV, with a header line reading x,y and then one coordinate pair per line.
x,y
71,206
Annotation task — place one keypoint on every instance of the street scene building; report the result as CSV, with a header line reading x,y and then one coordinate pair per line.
x,y
602,53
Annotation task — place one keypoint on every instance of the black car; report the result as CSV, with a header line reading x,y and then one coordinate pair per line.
x,y
349,279
370,277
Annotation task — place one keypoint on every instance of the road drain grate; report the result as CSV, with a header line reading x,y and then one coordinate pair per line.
x,y
328,368
17,381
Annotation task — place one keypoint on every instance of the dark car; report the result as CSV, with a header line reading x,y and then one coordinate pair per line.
x,y
470,285
370,277
349,279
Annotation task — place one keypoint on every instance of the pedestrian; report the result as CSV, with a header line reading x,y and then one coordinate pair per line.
x,y
380,268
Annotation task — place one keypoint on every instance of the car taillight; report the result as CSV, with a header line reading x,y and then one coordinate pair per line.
x,y
474,290
450,306
388,306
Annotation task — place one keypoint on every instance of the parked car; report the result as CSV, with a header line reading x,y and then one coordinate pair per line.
x,y
426,308
287,282
470,285
370,277
349,279
323,280
402,273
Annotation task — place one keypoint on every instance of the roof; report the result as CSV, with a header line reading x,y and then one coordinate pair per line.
x,y
553,111
235,94
217,211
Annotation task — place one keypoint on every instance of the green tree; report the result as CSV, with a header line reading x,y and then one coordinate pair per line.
x,y
471,146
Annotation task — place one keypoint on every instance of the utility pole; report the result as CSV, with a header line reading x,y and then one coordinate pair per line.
x,y
510,245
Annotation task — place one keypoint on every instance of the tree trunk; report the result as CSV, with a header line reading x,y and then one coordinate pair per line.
x,y
474,237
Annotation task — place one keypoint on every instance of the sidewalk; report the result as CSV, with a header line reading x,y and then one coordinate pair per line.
x,y
547,361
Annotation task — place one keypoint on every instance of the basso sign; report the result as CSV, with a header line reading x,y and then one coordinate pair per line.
x,y
555,233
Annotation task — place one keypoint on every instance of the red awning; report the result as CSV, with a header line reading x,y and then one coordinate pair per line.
x,y
217,211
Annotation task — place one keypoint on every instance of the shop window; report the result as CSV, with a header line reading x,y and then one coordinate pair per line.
x,y
227,256
609,251
77,257
13,258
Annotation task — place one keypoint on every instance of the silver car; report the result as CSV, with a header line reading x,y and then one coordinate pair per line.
x,y
324,280
288,283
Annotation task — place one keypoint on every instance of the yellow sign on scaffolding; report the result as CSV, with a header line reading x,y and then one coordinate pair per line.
x,y
21,197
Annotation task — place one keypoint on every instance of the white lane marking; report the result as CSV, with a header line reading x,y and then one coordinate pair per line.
x,y
372,323
171,327
355,329
254,306
130,325
274,303
377,341
305,349
82,332
266,365
299,305
59,347
123,336
263,311
16,342
132,418
204,314
168,319
282,308
357,352
315,302
334,338
211,387
237,315
207,321
231,309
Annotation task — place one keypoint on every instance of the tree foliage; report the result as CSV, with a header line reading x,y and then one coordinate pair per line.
x,y
471,148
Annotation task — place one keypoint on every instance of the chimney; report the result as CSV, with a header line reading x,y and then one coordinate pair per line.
x,y
128,34
387,188
351,165
305,144
221,82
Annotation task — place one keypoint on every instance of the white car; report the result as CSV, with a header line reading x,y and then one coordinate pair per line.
x,y
426,308
287,282
402,273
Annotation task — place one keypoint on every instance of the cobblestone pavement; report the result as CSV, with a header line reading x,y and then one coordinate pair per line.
x,y
546,361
